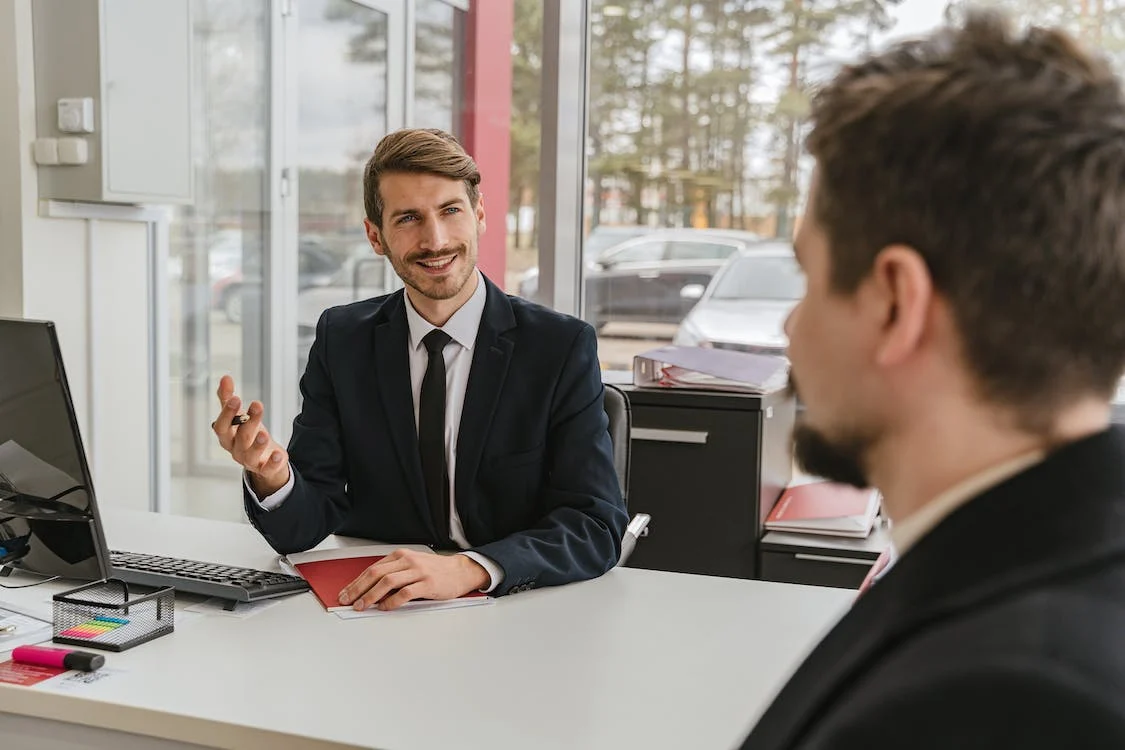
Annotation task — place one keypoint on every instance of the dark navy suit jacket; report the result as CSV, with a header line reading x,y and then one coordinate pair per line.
x,y
1001,628
535,484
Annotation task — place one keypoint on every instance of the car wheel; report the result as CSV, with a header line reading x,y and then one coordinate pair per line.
x,y
232,306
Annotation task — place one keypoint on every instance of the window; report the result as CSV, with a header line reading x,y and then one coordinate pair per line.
x,y
700,251
644,252
218,246
760,278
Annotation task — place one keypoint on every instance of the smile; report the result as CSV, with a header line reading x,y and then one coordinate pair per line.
x,y
438,264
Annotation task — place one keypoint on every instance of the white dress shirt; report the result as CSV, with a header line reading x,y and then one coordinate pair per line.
x,y
462,329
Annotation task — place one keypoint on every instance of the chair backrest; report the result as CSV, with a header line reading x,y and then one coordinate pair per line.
x,y
620,427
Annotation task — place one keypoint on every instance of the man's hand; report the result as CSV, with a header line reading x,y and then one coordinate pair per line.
x,y
249,443
405,575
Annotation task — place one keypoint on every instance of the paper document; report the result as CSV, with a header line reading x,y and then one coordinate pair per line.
x,y
710,369
330,570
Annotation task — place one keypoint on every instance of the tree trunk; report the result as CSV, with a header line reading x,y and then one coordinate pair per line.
x,y
789,165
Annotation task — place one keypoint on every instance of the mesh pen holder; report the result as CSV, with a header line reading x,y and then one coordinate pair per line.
x,y
106,615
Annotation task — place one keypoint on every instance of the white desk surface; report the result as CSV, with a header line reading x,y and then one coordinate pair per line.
x,y
636,658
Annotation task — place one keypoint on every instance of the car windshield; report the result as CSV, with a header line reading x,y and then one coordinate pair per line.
x,y
765,278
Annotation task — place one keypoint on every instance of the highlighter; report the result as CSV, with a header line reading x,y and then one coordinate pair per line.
x,y
46,656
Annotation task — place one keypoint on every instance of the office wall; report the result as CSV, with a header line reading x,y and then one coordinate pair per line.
x,y
100,307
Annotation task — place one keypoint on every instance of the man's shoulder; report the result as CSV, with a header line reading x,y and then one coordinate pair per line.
x,y
359,313
1066,626
535,319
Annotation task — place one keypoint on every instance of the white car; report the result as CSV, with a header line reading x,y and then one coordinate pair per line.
x,y
746,304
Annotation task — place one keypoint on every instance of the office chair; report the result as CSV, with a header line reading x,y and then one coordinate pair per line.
x,y
620,425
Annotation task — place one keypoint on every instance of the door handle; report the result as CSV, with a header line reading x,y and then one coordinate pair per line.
x,y
833,559
694,437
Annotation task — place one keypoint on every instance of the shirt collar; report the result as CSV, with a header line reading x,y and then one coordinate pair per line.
x,y
462,327
909,530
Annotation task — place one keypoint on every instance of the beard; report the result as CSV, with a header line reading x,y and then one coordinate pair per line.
x,y
442,288
838,458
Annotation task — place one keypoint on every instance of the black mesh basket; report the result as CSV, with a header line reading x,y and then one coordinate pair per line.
x,y
107,615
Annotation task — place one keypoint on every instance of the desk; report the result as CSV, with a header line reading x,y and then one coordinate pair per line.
x,y
636,658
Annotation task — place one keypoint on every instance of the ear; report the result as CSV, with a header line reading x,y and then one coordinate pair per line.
x,y
903,294
375,237
480,214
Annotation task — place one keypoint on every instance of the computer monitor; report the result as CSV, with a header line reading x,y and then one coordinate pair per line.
x,y
48,515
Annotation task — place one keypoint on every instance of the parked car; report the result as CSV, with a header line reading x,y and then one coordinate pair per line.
x,y
746,304
601,238
658,277
315,267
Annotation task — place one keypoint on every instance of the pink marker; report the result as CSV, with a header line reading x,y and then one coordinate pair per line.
x,y
65,658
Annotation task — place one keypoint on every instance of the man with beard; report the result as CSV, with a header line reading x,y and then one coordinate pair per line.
x,y
446,413
961,337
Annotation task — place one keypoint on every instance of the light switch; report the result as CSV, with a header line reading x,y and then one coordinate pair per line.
x,y
45,151
73,151
76,115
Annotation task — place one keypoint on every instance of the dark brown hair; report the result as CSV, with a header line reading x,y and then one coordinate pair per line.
x,y
999,156
422,150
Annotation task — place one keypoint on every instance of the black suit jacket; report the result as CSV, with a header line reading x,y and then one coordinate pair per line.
x,y
1003,628
534,483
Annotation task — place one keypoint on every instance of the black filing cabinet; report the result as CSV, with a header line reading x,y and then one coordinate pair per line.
x,y
707,466
814,560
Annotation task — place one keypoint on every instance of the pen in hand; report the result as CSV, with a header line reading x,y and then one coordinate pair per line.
x,y
239,419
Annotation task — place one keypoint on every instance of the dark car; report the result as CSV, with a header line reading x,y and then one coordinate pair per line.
x,y
745,306
658,277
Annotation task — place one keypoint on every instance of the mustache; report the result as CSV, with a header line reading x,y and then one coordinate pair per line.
x,y
435,254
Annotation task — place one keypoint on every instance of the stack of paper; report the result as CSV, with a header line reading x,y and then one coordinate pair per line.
x,y
825,508
710,369
330,570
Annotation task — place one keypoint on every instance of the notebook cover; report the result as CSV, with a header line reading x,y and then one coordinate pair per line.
x,y
820,500
327,577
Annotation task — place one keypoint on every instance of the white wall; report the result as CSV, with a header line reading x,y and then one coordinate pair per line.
x,y
89,276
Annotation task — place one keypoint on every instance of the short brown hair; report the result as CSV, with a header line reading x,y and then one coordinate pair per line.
x,y
999,156
419,150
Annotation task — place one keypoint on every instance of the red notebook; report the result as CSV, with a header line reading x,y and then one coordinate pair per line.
x,y
825,508
329,571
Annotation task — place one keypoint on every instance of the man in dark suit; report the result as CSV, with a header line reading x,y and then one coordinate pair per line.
x,y
447,414
961,337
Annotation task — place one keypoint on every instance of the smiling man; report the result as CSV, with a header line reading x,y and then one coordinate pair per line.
x,y
447,413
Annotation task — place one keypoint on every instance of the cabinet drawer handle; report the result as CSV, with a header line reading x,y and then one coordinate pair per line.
x,y
831,559
694,437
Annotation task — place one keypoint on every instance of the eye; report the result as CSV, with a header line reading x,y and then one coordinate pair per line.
x,y
453,210
406,218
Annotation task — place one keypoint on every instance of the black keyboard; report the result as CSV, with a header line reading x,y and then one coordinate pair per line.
x,y
192,576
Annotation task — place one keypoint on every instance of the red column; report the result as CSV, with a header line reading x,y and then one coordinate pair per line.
x,y
486,120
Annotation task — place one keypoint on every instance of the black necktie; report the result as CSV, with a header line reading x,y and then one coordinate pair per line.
x,y
431,433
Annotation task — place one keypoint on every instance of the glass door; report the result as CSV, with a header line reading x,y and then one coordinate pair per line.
x,y
350,94
217,249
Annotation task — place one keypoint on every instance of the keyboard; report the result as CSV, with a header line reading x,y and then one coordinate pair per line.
x,y
208,579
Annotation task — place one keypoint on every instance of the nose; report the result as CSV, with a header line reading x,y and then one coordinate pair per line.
x,y
435,236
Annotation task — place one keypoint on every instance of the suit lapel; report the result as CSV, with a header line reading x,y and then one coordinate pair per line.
x,y
492,353
1058,516
392,380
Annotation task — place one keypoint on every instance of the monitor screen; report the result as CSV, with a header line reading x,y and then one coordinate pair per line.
x,y
48,519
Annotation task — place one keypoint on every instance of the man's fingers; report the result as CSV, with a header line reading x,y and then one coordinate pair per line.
x,y
226,389
386,585
248,432
222,427
402,596
258,454
369,577
274,459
